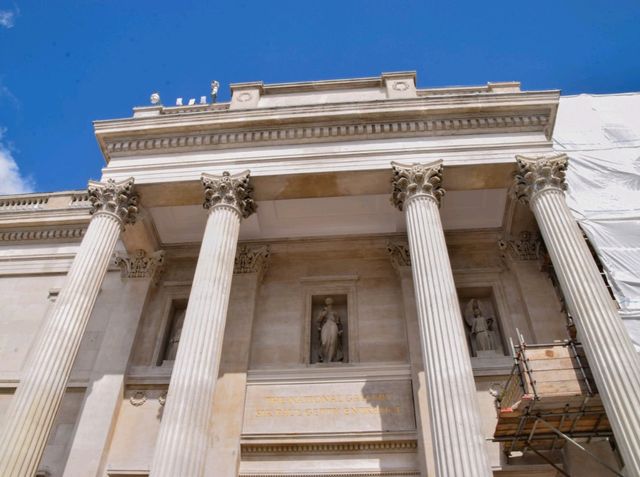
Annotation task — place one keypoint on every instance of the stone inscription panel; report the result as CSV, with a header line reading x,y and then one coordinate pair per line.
x,y
329,407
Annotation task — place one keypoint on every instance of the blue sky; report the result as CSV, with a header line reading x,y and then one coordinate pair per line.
x,y
65,64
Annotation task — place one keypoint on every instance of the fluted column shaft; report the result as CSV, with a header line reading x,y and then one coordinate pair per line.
x,y
33,408
458,442
182,444
614,363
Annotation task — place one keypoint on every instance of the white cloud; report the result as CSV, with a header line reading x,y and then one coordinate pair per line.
x,y
11,180
8,17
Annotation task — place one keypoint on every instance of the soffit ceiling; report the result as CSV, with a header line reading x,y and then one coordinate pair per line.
x,y
331,216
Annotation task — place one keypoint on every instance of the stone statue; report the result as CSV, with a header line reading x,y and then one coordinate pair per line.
x,y
174,337
482,336
330,330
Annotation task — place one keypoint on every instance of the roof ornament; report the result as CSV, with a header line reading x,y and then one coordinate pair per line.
x,y
155,98
215,86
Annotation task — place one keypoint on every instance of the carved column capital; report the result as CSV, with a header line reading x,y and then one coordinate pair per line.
x,y
539,173
251,259
399,254
526,247
114,198
416,180
141,264
226,190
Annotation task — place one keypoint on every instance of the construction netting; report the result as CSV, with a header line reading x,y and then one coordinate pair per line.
x,y
601,136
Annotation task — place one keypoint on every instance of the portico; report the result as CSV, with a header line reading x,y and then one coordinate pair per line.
x,y
296,182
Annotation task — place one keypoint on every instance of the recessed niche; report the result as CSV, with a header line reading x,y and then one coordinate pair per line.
x,y
329,336
481,321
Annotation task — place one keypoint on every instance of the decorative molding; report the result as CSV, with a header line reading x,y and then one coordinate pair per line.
x,y
138,398
14,204
539,173
382,473
141,265
251,259
162,399
416,180
331,374
329,132
46,234
114,198
228,190
399,254
527,247
330,447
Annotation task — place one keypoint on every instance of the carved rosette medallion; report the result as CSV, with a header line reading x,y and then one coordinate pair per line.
x,y
140,264
416,180
114,198
399,254
251,259
539,173
234,191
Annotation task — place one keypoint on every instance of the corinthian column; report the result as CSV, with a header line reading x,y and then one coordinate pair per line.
x,y
458,442
613,360
36,401
182,444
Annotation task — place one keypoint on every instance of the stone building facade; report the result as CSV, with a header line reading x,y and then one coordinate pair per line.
x,y
342,305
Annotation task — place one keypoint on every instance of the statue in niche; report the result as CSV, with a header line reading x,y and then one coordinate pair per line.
x,y
174,337
481,328
330,329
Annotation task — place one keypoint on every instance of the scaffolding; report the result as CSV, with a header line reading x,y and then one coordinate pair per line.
x,y
549,400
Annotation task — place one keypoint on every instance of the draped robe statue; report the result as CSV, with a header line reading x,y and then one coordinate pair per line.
x,y
330,330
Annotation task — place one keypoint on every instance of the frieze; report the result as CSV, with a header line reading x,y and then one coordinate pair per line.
x,y
330,132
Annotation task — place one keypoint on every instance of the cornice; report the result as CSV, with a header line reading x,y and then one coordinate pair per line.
x,y
59,233
347,131
423,116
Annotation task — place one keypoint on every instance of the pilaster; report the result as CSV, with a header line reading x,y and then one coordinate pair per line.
x,y
101,404
401,262
223,457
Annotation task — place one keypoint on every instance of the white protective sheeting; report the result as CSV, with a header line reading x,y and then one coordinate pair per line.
x,y
601,136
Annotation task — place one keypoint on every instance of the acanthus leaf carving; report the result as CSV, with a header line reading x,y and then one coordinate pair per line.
x,y
141,264
251,259
416,180
228,190
539,173
399,254
526,247
114,198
